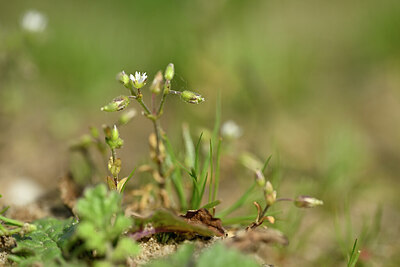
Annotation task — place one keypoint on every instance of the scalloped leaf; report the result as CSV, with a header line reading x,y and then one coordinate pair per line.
x,y
45,244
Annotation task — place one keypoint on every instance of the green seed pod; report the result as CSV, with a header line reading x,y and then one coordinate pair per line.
x,y
169,72
117,104
191,97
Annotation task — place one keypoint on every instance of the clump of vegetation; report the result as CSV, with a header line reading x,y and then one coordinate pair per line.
x,y
105,233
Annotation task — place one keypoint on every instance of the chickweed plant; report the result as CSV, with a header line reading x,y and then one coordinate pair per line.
x,y
103,233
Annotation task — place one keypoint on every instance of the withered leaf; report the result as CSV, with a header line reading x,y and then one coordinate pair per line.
x,y
204,217
163,221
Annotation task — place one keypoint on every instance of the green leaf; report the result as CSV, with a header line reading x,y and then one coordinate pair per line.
x,y
266,164
101,219
355,253
45,244
189,146
121,188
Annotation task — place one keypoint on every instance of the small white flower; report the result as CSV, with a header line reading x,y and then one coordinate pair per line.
x,y
139,80
34,21
231,130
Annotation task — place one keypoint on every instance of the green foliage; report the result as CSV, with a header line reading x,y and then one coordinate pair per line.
x,y
45,244
100,228
102,221
354,254
216,255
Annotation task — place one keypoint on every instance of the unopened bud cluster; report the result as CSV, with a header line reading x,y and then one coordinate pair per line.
x,y
112,137
158,86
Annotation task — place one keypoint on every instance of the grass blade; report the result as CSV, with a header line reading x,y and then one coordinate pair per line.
x,y
176,176
127,180
197,156
266,164
211,204
354,255
190,157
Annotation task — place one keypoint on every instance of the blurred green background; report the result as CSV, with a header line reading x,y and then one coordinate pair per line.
x,y
314,83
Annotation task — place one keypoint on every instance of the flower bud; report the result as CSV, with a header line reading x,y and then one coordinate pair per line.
x,y
127,116
107,131
169,72
270,198
117,104
268,188
155,87
123,78
307,202
260,179
112,137
191,97
114,133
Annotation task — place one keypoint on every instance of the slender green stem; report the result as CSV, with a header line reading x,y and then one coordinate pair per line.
x,y
166,90
11,221
144,106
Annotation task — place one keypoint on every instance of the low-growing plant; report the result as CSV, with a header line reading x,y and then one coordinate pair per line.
x,y
103,235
